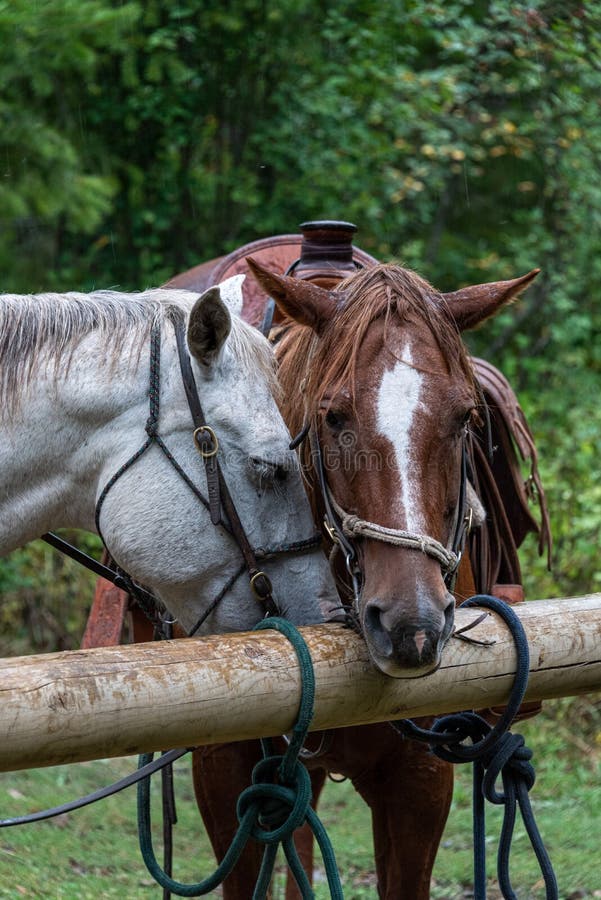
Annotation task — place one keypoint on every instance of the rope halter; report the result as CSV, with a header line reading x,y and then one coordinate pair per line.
x,y
353,527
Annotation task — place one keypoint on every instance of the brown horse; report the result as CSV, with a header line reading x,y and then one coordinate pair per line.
x,y
377,376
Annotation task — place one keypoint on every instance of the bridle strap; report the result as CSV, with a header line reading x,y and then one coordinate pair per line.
x,y
207,445
332,522
149,604
219,495
342,527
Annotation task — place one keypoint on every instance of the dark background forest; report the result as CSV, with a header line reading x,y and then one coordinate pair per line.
x,y
463,138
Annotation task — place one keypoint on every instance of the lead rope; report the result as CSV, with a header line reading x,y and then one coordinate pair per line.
x,y
277,803
493,751
270,812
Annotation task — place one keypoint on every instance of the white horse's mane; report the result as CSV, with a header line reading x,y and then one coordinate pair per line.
x,y
38,328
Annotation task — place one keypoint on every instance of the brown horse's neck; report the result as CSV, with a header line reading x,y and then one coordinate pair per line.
x,y
294,350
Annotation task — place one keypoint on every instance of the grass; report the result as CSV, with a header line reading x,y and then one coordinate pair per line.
x,y
93,853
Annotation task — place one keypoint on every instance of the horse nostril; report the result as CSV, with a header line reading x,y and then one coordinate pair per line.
x,y
449,618
379,636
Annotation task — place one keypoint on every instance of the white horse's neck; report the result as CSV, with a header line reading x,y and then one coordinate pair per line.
x,y
70,429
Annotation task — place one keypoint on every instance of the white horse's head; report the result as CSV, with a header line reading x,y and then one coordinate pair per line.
x,y
90,413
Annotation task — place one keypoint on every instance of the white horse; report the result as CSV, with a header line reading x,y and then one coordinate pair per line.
x,y
74,392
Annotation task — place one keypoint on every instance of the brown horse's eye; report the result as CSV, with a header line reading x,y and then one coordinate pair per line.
x,y
335,420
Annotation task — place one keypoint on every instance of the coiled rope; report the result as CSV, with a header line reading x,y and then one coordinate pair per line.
x,y
278,800
494,752
276,803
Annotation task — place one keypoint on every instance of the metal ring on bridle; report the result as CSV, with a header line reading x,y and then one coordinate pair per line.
x,y
332,533
206,454
253,585
469,519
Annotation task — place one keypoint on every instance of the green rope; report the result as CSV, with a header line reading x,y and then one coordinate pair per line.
x,y
270,810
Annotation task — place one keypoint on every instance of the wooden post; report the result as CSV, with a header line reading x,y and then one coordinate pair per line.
x,y
115,701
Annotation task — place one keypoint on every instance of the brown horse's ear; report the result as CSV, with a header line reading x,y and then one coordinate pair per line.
x,y
305,302
472,305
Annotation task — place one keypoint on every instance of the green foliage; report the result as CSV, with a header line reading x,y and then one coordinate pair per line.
x,y
45,597
49,55
138,139
569,448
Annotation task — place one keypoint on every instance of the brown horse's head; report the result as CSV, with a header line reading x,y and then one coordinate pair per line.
x,y
378,369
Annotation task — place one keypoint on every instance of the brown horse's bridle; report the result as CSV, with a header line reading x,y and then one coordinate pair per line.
x,y
220,504
343,529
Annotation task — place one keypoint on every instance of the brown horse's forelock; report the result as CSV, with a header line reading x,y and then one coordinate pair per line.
x,y
325,366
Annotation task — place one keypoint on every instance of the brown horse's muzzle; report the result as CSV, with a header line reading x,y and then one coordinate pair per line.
x,y
407,624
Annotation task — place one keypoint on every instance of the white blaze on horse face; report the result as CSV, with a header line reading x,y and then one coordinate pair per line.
x,y
398,404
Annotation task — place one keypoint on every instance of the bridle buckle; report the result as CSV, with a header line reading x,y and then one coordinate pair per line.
x,y
200,444
260,585
469,519
331,531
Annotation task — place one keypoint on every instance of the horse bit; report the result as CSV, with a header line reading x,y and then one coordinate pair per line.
x,y
219,498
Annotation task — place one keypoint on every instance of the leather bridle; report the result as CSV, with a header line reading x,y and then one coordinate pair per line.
x,y
219,504
344,529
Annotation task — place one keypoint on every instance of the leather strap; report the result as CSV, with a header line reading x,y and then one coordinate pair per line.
x,y
218,490
133,778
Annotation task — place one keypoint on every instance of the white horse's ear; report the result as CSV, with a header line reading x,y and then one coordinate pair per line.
x,y
208,327
231,293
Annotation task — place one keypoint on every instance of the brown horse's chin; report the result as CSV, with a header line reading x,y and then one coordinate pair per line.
x,y
394,669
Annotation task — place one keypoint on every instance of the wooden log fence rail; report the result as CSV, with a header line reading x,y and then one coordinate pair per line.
x,y
81,705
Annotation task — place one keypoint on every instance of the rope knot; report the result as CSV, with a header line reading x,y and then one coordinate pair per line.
x,y
351,524
510,759
277,809
151,426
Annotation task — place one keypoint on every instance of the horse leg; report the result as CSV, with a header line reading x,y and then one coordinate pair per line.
x,y
303,838
220,773
409,791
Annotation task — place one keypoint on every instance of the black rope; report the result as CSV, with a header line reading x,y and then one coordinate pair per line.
x,y
133,778
186,478
494,751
